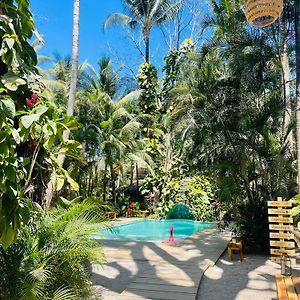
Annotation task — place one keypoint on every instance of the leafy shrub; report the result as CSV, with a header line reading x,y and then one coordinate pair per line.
x,y
252,222
49,258
180,211
199,195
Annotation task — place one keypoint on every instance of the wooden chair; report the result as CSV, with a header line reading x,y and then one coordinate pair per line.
x,y
235,245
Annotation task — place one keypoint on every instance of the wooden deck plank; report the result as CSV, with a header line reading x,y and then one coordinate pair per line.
x,y
296,282
159,295
184,283
162,287
290,288
281,291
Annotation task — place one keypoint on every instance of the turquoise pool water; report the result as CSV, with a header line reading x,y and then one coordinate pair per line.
x,y
153,230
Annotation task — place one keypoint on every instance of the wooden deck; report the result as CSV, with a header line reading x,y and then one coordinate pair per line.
x,y
158,271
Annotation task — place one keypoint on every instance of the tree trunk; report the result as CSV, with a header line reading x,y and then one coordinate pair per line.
x,y
113,185
146,32
71,101
74,70
131,174
137,175
105,182
286,85
297,42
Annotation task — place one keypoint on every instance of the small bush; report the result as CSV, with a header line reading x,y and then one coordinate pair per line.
x,y
252,222
180,211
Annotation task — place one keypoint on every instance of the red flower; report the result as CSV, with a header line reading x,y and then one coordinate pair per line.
x,y
29,103
34,99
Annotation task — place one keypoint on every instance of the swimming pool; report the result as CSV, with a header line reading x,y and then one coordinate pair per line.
x,y
153,230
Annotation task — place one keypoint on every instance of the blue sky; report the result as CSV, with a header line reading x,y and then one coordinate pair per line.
x,y
54,21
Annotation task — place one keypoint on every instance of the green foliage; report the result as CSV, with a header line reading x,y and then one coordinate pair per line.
x,y
31,127
296,209
252,221
48,260
199,193
148,82
180,211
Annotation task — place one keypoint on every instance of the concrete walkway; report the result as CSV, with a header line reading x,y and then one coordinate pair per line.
x,y
253,278
155,270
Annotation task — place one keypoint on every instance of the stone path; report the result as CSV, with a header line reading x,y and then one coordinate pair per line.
x,y
155,270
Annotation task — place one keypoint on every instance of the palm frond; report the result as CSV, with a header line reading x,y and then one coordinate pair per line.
x,y
169,13
64,293
132,97
117,19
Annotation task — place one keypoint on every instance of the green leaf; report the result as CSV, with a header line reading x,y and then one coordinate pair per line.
x,y
40,110
12,190
28,120
9,108
60,180
16,136
3,187
10,173
7,237
72,182
29,53
12,82
10,42
3,136
295,211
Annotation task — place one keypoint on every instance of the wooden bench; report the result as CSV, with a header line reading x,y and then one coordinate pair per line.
x,y
288,287
141,213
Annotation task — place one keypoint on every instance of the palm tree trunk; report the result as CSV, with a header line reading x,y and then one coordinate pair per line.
x,y
105,182
146,32
74,70
297,42
286,85
113,185
71,101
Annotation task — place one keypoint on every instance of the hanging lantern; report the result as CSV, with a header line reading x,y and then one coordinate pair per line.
x,y
286,265
261,13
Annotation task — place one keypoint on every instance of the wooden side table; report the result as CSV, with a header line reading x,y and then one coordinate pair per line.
x,y
235,245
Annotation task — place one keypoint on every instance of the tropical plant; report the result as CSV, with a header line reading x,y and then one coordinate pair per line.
x,y
199,193
50,255
31,127
146,14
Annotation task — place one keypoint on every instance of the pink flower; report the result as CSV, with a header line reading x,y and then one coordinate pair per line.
x,y
34,99
29,103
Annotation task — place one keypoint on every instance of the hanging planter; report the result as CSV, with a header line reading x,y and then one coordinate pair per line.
x,y
261,13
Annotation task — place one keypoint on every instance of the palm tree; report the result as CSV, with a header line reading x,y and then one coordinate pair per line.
x,y
74,68
119,132
146,14
104,79
71,101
